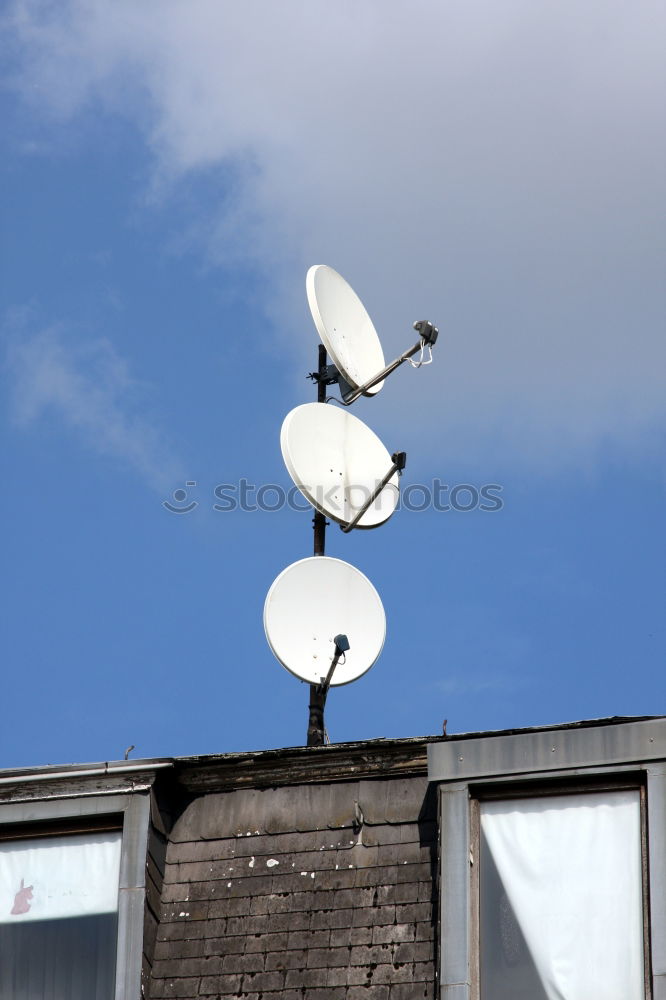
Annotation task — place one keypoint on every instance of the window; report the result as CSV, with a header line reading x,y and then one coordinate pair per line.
x,y
560,897
553,863
59,914
72,891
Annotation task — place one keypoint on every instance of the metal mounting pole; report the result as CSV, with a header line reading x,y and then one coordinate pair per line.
x,y
319,520
318,693
317,697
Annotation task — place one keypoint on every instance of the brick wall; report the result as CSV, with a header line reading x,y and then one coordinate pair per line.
x,y
309,892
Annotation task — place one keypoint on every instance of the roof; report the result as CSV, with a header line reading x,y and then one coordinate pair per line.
x,y
299,765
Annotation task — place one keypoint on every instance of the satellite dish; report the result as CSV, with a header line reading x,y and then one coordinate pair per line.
x,y
336,461
306,608
345,328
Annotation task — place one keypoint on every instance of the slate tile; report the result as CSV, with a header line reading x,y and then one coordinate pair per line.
x,y
336,976
266,942
306,978
397,800
369,916
220,985
340,937
255,962
331,919
178,949
393,933
181,967
420,951
286,960
409,912
368,993
307,940
191,911
412,991
323,957
370,955
230,907
360,936
425,931
260,981
183,989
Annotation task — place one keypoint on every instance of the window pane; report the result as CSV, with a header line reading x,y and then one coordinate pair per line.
x,y
58,917
561,898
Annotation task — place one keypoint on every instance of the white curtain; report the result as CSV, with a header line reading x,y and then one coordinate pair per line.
x,y
49,878
571,868
58,917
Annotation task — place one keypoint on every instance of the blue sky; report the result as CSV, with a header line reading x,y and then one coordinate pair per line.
x,y
170,172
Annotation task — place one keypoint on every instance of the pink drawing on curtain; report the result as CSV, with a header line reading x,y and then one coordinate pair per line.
x,y
21,904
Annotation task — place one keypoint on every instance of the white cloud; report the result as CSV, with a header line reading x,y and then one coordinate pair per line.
x,y
495,167
87,386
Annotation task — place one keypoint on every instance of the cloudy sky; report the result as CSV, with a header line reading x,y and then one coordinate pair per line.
x,y
171,170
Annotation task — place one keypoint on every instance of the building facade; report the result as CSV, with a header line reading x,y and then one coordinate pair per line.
x,y
471,867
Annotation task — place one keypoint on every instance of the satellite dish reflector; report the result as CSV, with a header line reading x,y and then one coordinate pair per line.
x,y
306,608
337,461
346,330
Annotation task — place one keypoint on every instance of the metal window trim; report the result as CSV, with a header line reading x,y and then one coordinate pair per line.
x,y
480,758
656,836
135,810
457,801
455,892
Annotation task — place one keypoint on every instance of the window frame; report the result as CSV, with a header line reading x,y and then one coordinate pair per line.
x,y
555,761
134,811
